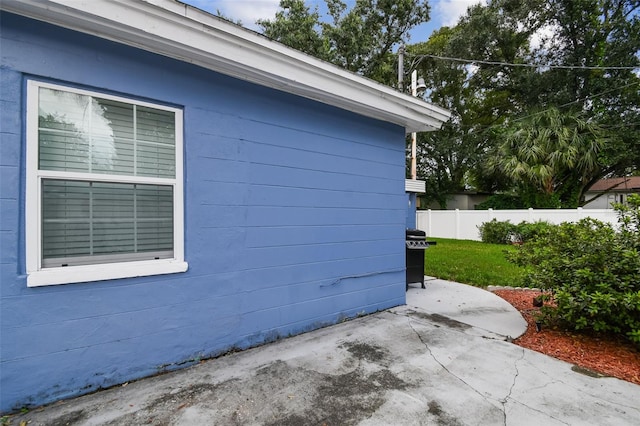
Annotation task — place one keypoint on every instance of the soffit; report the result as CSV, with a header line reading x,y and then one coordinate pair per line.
x,y
182,32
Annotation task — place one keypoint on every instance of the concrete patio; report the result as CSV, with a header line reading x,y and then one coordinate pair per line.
x,y
422,363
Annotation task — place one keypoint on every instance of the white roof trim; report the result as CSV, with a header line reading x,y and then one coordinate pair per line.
x,y
418,186
179,31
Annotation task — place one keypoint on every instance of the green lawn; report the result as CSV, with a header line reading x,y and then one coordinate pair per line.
x,y
471,262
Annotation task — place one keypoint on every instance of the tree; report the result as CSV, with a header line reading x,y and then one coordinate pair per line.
x,y
297,27
550,155
359,39
597,33
486,95
443,157
479,95
491,92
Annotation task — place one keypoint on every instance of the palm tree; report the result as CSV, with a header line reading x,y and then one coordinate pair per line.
x,y
550,153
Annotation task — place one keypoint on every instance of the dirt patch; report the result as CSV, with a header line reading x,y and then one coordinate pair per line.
x,y
279,393
442,418
365,351
346,399
349,398
439,319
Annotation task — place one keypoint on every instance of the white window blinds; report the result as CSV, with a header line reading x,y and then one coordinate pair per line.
x,y
81,133
89,215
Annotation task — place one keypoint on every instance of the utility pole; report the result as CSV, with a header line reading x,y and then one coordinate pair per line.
x,y
412,186
401,68
414,93
414,153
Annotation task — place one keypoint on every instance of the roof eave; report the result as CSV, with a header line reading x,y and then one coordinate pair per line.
x,y
188,34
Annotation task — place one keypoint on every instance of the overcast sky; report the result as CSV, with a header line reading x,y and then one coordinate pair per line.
x,y
443,12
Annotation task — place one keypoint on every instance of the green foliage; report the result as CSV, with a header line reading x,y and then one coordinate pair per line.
x,y
545,171
550,155
360,38
534,198
597,33
471,262
502,202
296,26
593,271
504,232
527,231
491,102
477,98
629,220
497,232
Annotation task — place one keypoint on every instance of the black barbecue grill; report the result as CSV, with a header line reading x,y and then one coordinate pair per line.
x,y
416,243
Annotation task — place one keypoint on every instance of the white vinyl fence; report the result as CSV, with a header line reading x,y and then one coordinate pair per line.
x,y
463,224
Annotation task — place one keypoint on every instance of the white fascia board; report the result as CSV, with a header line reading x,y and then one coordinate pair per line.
x,y
418,186
182,32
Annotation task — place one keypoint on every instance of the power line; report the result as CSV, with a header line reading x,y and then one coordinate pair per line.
x,y
580,100
485,127
568,67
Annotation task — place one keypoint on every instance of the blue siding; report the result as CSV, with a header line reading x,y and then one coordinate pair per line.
x,y
294,219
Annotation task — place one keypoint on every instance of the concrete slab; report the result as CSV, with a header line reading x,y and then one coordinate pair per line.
x,y
403,366
467,304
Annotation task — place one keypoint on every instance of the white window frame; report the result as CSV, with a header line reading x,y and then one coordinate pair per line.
x,y
39,276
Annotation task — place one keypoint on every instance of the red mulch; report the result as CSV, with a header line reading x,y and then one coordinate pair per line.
x,y
606,355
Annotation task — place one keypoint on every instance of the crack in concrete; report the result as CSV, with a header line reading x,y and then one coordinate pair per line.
x,y
513,384
485,397
553,380
518,366
541,412
502,401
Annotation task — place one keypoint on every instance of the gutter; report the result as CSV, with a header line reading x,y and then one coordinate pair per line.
x,y
185,33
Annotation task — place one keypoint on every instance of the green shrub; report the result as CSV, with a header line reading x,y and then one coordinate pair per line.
x,y
502,202
629,219
504,232
527,231
593,271
497,232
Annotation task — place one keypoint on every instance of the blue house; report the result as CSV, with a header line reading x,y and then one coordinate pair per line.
x,y
174,187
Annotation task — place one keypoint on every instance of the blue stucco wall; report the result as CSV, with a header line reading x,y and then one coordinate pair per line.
x,y
294,219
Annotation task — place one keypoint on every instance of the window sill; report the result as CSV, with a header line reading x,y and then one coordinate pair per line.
x,y
112,271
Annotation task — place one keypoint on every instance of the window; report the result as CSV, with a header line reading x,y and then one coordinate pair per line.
x,y
104,187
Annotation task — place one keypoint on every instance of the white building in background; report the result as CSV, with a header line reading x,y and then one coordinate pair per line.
x,y
613,190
